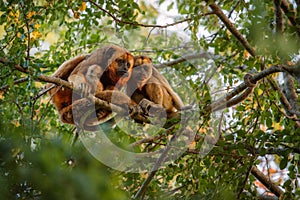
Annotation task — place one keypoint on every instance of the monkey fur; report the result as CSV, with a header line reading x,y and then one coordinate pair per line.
x,y
148,83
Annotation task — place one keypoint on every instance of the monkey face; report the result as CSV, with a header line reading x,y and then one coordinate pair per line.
x,y
142,70
119,71
124,65
141,74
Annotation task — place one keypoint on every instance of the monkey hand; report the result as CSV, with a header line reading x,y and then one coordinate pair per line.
x,y
85,89
80,85
151,109
137,113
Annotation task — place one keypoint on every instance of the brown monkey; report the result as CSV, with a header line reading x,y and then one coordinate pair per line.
x,y
147,82
112,66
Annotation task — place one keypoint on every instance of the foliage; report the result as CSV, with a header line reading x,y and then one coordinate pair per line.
x,y
37,160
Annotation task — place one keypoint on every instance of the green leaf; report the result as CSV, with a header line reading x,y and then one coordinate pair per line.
x,y
283,163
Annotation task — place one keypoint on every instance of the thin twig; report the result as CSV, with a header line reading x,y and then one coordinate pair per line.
x,y
295,149
244,182
157,164
42,92
286,104
21,80
28,32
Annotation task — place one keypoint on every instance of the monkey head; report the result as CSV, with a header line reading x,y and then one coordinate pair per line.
x,y
140,60
119,71
142,71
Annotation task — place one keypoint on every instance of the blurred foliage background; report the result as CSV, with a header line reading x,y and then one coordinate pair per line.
x,y
36,158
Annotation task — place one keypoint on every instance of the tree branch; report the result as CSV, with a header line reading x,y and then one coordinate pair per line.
x,y
231,27
157,165
21,80
295,149
273,151
288,13
278,16
290,91
244,182
285,102
225,100
266,181
18,67
267,197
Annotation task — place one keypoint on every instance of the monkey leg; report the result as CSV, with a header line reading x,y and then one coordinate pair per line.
x,y
66,115
83,114
87,117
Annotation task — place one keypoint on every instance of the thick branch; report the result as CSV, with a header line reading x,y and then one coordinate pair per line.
x,y
266,181
267,197
103,104
232,28
285,8
278,16
290,91
224,101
